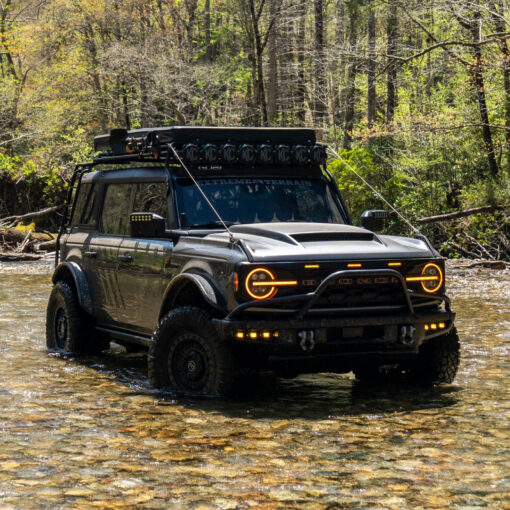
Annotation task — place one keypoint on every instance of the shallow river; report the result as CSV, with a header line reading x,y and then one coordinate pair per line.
x,y
89,433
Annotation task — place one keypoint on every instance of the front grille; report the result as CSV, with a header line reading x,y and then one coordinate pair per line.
x,y
356,296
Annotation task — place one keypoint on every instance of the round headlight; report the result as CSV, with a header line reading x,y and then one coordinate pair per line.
x,y
432,278
258,284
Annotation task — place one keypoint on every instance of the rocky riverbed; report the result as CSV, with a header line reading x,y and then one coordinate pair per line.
x,y
89,433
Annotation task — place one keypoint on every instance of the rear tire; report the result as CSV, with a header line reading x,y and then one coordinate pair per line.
x,y
186,354
68,327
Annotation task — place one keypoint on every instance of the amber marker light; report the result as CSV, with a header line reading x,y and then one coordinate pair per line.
x,y
266,335
394,264
236,282
354,266
240,335
253,335
312,266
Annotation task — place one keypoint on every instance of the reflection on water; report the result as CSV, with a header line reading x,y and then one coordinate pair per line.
x,y
89,433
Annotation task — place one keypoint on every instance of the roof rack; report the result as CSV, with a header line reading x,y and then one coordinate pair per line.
x,y
212,145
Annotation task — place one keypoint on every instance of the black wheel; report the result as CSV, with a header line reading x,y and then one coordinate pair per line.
x,y
67,326
186,354
438,360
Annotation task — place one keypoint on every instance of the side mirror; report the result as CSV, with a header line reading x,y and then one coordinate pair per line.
x,y
146,225
374,220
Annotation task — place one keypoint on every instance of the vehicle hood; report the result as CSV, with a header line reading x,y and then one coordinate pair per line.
x,y
322,241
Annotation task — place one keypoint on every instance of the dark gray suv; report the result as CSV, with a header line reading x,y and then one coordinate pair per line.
x,y
224,251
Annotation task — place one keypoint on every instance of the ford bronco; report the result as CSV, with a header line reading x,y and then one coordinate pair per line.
x,y
224,251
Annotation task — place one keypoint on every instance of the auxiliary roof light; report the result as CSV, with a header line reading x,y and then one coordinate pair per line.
x,y
228,152
247,154
319,154
192,153
283,154
210,153
300,154
265,153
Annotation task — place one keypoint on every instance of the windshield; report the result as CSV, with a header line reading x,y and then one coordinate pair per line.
x,y
242,201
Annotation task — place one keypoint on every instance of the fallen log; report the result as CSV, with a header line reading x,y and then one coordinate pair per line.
x,y
14,220
463,214
491,264
11,235
48,245
18,257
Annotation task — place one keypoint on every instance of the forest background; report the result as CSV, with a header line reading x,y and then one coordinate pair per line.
x,y
414,94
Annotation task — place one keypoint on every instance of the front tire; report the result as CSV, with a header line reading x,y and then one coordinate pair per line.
x,y
437,363
438,360
186,354
67,325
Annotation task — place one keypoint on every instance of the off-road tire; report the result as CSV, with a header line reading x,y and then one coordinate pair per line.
x,y
187,355
68,327
438,360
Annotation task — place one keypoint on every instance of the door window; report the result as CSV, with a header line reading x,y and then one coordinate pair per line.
x,y
151,197
85,207
116,209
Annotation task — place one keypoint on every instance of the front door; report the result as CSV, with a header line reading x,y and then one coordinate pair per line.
x,y
142,263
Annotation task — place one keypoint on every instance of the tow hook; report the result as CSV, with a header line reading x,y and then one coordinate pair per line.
x,y
407,334
306,340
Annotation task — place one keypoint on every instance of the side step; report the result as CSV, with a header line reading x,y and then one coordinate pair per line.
x,y
125,337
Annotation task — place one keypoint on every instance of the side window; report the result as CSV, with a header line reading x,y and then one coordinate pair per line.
x,y
151,197
85,207
115,215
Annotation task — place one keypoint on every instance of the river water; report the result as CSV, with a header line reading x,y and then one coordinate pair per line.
x,y
89,433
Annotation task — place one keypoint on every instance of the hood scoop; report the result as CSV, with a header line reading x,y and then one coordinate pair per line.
x,y
319,237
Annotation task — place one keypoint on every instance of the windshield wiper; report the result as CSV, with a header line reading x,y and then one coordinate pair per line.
x,y
212,224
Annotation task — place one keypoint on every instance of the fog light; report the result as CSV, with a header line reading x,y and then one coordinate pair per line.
x,y
240,335
253,335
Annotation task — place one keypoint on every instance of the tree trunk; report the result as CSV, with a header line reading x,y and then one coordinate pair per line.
x,y
320,88
371,91
391,77
207,30
482,100
300,45
272,75
499,23
350,95
338,68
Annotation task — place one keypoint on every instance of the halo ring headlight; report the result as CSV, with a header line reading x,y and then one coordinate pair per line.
x,y
261,283
434,278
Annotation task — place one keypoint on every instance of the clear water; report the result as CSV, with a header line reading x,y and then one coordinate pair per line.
x,y
89,433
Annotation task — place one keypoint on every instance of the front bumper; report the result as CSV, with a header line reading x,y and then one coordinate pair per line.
x,y
375,330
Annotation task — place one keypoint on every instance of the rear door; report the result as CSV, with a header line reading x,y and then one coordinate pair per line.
x,y
142,262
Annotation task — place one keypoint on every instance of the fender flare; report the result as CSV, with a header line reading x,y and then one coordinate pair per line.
x,y
80,282
211,295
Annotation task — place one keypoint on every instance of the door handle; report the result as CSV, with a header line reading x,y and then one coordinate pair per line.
x,y
126,257
91,254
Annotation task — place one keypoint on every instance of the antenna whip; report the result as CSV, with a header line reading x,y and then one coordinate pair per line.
x,y
374,191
